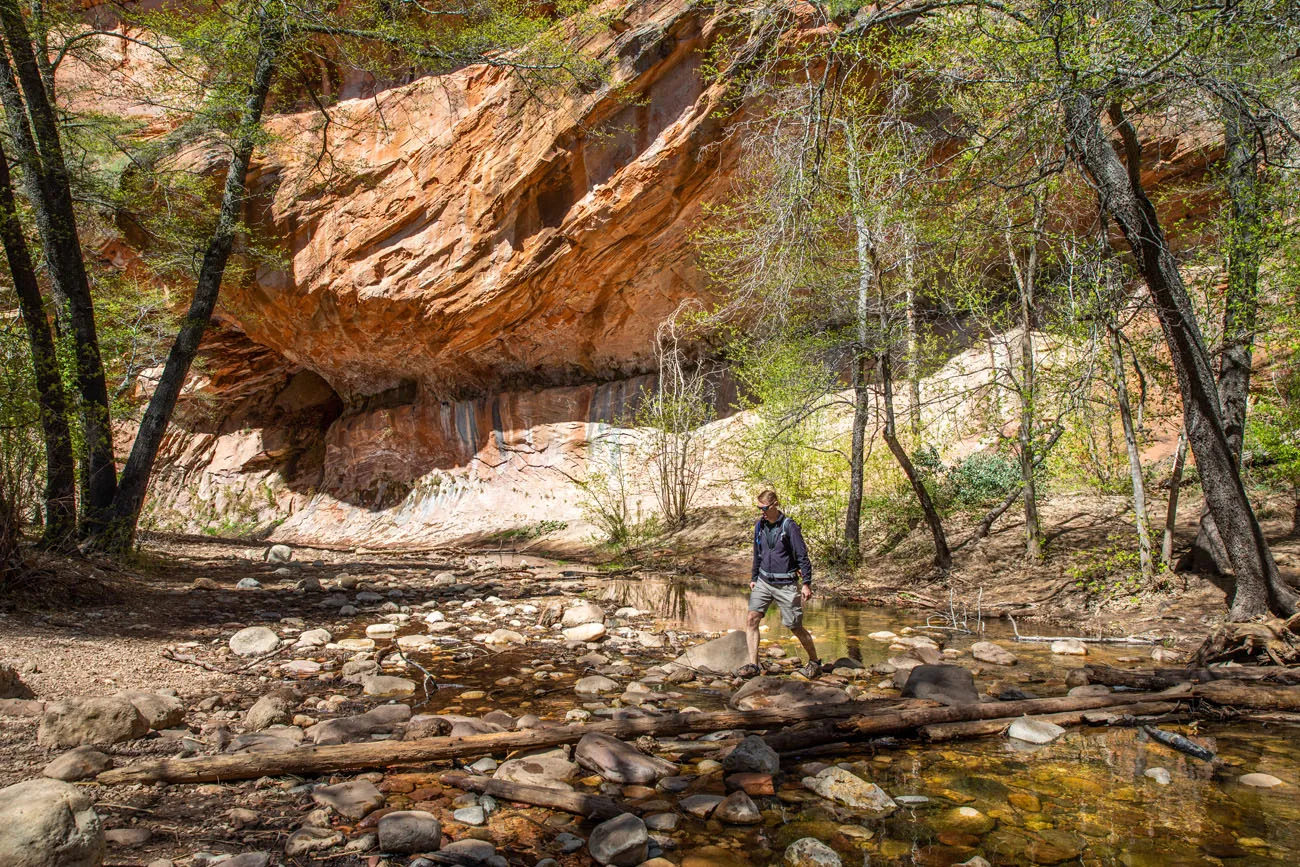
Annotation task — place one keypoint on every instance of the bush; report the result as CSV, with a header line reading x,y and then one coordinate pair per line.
x,y
980,479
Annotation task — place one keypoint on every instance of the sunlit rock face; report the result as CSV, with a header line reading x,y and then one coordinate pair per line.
x,y
473,231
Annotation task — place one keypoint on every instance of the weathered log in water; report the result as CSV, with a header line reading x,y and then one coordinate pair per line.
x,y
592,806
842,722
1164,678
984,728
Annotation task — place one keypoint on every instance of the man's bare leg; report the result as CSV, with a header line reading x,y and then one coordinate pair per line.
x,y
751,634
806,639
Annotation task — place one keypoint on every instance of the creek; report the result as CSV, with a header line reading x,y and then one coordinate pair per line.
x,y
1084,799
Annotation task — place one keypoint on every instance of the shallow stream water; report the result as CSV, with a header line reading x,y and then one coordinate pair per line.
x,y
1082,800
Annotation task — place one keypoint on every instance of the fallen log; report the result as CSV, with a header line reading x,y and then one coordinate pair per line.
x,y
983,728
591,806
345,757
1163,678
849,721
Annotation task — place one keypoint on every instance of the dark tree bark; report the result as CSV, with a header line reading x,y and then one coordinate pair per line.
x,y
942,554
1171,508
119,532
1240,304
1259,588
857,459
36,144
60,465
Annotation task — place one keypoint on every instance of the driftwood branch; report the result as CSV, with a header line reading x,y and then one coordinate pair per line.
x,y
592,806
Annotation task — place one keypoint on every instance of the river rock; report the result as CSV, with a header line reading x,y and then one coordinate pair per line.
x,y
699,806
315,638
737,809
383,684
474,815
585,632
722,655
505,636
1034,731
996,654
76,721
352,799
1089,690
1070,647
254,641
310,839
271,709
128,837
967,820
618,762
849,789
652,640
596,685
549,768
380,720
776,693
1259,781
48,823
245,859
79,763
1159,775
583,612
810,852
946,684
409,831
279,554
622,841
752,755
356,644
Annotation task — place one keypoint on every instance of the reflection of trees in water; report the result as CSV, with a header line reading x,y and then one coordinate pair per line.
x,y
669,599
853,634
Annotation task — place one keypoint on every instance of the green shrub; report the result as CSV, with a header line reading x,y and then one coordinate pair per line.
x,y
980,479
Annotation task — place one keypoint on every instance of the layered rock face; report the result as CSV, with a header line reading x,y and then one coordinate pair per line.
x,y
472,279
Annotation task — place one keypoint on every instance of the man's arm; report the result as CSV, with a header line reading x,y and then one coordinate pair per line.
x,y
800,552
753,573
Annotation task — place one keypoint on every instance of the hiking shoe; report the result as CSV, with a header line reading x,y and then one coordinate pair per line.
x,y
811,669
748,670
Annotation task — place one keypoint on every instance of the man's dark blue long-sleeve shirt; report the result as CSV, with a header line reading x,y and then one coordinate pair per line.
x,y
775,557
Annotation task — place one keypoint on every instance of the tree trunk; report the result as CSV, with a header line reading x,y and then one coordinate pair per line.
x,y
857,460
858,719
1171,510
1259,587
577,803
1025,279
120,532
913,347
942,554
1240,304
60,464
35,139
1134,456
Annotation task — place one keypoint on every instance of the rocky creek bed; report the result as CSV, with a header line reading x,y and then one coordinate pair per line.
x,y
273,655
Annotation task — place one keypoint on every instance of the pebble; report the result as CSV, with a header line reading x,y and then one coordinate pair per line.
x,y
1160,775
470,815
1070,647
1034,731
1260,781
810,852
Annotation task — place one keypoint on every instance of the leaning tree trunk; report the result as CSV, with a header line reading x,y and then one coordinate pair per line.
x,y
120,530
1259,587
60,465
1240,304
1025,279
1171,510
35,139
1134,456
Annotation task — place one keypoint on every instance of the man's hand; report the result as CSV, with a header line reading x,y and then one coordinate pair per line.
x,y
753,582
807,592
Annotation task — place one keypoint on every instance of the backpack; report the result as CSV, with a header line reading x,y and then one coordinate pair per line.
x,y
758,534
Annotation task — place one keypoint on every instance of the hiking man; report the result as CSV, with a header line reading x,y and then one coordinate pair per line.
x,y
782,574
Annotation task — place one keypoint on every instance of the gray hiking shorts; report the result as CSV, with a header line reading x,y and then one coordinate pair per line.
x,y
787,598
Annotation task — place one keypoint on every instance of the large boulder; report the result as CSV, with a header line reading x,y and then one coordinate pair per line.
x,y
618,762
620,842
723,655
76,721
79,763
254,641
946,684
583,612
161,710
776,693
550,768
48,823
274,708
